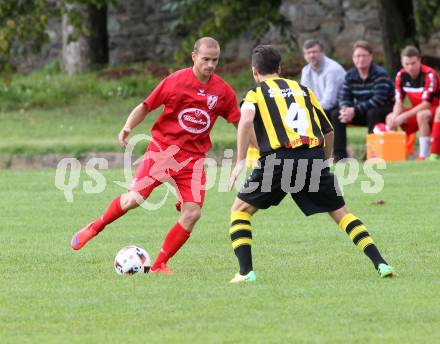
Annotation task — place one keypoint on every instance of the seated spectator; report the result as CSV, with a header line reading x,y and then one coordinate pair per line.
x,y
322,74
366,97
421,84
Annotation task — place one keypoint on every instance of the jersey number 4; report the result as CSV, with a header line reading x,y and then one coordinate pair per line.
x,y
296,119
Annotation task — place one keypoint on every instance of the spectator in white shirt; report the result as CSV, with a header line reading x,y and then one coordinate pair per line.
x,y
322,74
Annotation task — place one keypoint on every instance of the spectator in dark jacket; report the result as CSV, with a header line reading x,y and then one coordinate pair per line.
x,y
366,97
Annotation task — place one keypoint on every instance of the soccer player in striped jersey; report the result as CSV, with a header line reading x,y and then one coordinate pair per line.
x,y
295,139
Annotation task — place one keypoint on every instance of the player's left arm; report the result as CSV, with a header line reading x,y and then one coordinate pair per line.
x,y
326,125
244,134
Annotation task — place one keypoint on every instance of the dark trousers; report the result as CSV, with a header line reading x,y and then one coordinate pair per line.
x,y
368,119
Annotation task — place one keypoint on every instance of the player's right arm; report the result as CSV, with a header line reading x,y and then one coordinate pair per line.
x,y
136,116
328,144
244,134
158,97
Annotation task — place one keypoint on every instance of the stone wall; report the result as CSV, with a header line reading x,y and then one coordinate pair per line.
x,y
139,30
338,23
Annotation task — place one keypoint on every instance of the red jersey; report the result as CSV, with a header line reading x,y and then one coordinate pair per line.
x,y
191,109
425,87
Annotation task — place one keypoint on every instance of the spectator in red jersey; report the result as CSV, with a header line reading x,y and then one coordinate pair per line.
x,y
193,99
421,84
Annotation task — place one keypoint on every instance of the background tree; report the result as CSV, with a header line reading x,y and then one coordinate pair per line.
x,y
398,30
85,39
22,30
223,19
406,22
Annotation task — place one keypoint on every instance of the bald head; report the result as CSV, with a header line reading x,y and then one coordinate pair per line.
x,y
207,42
205,57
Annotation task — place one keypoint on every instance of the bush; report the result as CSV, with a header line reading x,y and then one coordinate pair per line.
x,y
50,88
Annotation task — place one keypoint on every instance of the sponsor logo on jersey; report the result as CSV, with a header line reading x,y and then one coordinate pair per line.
x,y
286,92
193,120
201,93
211,101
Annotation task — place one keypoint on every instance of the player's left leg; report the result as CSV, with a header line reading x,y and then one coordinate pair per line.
x,y
357,232
189,183
424,118
177,236
241,237
435,137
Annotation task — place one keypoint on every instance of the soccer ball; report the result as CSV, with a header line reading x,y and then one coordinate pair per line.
x,y
380,128
132,260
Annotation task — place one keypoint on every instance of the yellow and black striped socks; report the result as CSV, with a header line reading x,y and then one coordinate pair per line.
x,y
357,232
241,237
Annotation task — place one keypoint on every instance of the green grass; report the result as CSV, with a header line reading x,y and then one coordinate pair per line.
x,y
313,284
51,88
93,126
50,112
83,127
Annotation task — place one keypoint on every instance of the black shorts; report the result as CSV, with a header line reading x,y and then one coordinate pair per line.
x,y
302,172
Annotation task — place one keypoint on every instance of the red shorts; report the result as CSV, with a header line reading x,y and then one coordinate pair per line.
x,y
411,125
170,164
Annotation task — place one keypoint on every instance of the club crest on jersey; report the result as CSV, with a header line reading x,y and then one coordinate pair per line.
x,y
211,101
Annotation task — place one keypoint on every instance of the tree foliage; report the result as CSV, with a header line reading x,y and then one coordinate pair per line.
x,y
68,7
22,29
427,15
222,19
23,25
24,22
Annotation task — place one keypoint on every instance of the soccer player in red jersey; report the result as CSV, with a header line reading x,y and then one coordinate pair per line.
x,y
421,84
193,99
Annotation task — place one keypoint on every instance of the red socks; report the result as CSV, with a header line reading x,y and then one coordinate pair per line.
x,y
176,237
174,240
435,134
113,212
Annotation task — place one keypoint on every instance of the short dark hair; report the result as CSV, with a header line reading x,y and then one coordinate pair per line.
x,y
266,59
310,43
410,51
363,45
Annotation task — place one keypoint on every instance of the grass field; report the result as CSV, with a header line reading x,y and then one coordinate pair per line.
x,y
313,285
83,127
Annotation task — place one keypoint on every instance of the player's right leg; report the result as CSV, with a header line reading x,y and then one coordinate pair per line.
x,y
117,208
424,118
357,232
139,190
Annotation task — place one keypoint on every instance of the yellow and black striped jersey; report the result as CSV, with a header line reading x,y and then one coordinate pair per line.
x,y
287,115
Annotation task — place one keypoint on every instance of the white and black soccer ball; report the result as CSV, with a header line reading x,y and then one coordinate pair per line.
x,y
132,260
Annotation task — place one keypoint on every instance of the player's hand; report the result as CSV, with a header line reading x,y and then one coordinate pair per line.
x,y
123,134
389,121
346,114
238,169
